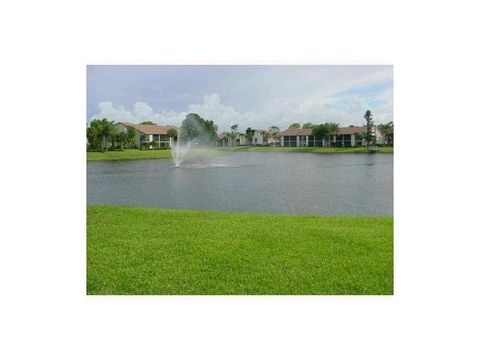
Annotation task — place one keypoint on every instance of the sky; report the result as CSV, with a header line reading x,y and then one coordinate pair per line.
x,y
250,96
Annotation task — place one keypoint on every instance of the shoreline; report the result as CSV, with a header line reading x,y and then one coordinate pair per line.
x,y
165,154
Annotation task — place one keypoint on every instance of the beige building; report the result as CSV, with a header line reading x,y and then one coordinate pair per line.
x,y
350,136
223,140
148,136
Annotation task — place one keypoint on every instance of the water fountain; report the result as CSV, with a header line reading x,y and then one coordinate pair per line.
x,y
179,151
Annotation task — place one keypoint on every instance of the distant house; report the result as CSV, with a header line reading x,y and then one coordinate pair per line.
x,y
148,136
345,137
223,140
260,139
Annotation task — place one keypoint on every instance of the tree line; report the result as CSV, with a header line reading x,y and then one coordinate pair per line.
x,y
103,135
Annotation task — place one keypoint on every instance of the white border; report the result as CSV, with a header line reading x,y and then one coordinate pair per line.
x,y
45,313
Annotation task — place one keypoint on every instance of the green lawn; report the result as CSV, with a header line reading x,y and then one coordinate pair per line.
x,y
158,251
129,154
134,154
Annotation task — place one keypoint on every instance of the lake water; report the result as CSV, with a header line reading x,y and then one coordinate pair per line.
x,y
246,181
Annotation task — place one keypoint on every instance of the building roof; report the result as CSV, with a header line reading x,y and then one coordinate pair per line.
x,y
294,132
351,130
149,129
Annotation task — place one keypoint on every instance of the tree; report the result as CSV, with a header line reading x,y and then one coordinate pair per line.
x,y
130,137
100,132
307,125
249,134
93,134
333,128
232,135
198,129
147,123
294,126
359,136
274,131
321,131
172,133
121,137
325,130
108,132
210,134
387,131
369,136
266,136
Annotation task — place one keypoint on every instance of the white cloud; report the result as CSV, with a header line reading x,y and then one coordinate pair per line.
x,y
211,108
224,116
141,112
345,110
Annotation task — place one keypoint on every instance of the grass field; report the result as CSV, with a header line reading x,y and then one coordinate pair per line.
x,y
158,251
129,154
134,154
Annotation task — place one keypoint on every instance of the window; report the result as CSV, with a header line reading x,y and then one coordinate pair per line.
x,y
290,141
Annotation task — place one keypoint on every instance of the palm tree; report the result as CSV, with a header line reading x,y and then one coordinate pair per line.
x,y
107,131
266,135
121,138
249,134
274,131
233,134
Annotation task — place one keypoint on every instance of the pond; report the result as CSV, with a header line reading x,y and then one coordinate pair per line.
x,y
360,184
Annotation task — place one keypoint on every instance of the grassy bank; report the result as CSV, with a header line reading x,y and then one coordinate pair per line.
x,y
134,154
159,251
129,154
314,150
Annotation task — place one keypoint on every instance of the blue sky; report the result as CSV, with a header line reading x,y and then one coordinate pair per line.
x,y
251,96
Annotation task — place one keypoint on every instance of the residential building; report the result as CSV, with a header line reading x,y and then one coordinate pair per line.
x,y
260,139
350,136
223,140
148,136
293,137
